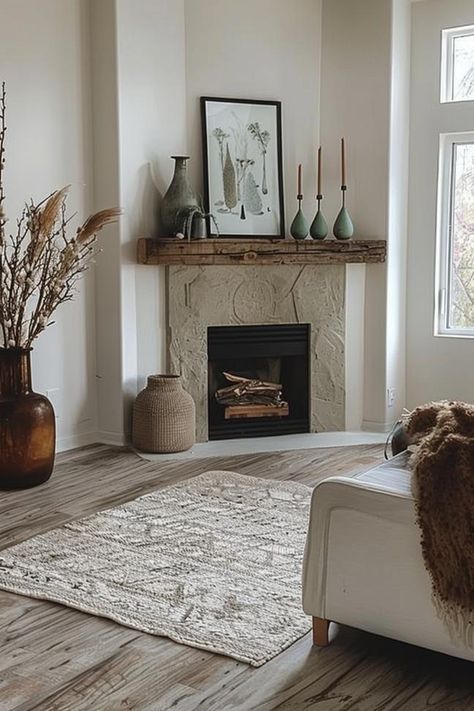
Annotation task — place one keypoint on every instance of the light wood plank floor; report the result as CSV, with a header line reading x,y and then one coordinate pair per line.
x,y
56,659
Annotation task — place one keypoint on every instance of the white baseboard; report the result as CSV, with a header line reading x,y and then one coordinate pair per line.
x,y
383,427
63,444
117,439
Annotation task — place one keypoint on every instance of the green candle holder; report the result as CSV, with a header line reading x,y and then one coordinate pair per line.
x,y
319,226
343,227
299,227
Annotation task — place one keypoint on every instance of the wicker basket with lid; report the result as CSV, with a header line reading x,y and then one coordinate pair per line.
x,y
164,417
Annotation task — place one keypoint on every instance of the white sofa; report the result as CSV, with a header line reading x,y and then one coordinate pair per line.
x,y
363,565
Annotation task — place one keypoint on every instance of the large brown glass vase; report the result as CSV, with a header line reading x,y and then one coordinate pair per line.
x,y
27,424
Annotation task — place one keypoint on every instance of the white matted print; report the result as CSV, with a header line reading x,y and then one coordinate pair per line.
x,y
243,177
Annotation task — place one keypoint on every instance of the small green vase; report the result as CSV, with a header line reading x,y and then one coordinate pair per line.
x,y
319,226
299,227
343,227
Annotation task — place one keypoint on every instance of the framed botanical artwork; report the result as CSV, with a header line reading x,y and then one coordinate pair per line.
x,y
243,173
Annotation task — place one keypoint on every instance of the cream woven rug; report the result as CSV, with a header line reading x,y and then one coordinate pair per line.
x,y
213,562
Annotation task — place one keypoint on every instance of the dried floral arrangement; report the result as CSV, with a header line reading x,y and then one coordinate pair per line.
x,y
39,263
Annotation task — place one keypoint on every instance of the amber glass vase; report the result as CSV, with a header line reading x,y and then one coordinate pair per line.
x,y
27,424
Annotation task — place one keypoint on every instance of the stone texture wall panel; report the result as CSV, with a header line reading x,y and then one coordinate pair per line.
x,y
199,297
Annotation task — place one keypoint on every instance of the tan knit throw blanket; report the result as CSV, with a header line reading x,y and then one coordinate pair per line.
x,y
443,487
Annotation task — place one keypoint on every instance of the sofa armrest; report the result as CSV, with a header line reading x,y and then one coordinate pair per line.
x,y
372,498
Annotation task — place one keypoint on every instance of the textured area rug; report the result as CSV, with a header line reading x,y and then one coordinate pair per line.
x,y
213,562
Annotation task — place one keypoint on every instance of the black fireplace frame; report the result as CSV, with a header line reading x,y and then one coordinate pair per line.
x,y
288,342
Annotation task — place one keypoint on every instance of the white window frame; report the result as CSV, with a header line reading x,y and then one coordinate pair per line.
x,y
447,61
445,209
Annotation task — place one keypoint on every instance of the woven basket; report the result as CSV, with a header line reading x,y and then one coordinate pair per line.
x,y
164,416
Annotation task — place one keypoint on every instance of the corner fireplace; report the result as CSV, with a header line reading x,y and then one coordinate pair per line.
x,y
275,358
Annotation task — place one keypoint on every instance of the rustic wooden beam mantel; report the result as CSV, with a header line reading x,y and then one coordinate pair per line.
x,y
224,251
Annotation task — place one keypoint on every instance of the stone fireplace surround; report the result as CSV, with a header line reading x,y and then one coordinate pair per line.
x,y
202,296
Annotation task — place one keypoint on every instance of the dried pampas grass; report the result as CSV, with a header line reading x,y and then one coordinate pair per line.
x,y
95,223
50,212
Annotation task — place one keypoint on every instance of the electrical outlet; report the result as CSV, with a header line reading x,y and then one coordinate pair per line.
x,y
391,395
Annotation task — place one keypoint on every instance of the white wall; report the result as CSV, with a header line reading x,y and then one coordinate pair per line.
x,y
44,62
225,54
139,121
106,161
152,121
354,345
436,367
398,209
364,97
355,93
96,99
269,49
149,69
182,45
153,67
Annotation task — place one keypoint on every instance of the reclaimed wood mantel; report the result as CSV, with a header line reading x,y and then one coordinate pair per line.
x,y
224,251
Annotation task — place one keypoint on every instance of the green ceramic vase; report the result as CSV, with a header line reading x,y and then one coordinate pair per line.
x,y
319,226
299,227
343,227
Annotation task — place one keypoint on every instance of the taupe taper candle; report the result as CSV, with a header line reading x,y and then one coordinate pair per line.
x,y
343,162
319,171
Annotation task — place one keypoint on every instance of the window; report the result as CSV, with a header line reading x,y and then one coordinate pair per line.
x,y
457,66
455,309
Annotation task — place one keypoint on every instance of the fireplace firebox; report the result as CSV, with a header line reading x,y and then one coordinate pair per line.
x,y
274,359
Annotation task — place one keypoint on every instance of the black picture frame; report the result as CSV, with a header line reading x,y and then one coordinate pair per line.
x,y
245,210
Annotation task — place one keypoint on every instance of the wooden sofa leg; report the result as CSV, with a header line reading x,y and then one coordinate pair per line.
x,y
320,632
